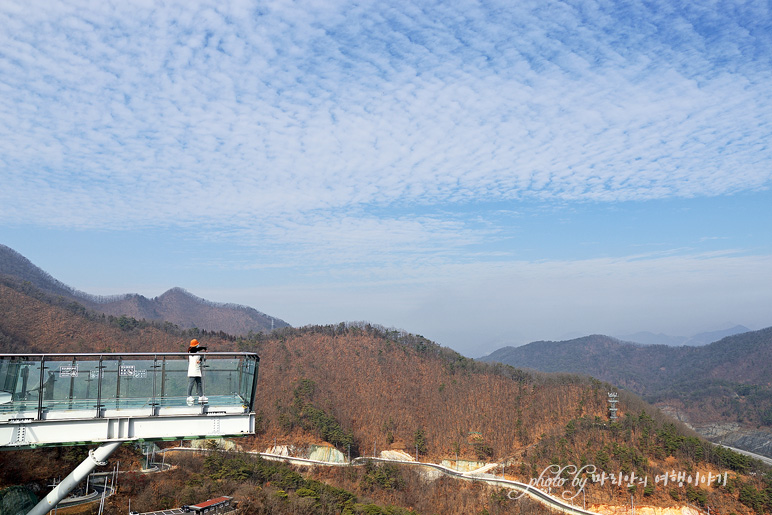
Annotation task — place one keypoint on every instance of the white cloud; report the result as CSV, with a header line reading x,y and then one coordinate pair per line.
x,y
376,139
337,107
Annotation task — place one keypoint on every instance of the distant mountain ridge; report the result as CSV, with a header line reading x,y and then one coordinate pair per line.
x,y
358,386
724,389
177,305
744,358
648,338
629,365
184,309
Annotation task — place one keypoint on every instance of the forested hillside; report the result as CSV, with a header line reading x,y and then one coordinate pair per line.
x,y
363,388
386,386
728,380
33,322
15,265
176,306
381,386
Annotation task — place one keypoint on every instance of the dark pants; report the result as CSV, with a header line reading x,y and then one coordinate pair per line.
x,y
195,381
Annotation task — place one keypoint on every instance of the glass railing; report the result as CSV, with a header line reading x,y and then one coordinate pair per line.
x,y
32,386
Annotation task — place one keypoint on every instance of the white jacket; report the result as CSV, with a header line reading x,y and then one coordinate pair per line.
x,y
194,365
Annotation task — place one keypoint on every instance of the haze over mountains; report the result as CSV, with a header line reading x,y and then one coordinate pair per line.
x,y
649,338
702,383
360,387
176,305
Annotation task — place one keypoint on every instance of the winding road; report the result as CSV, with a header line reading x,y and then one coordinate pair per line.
x,y
528,490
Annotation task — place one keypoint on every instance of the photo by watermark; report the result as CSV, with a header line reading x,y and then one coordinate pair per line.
x,y
570,481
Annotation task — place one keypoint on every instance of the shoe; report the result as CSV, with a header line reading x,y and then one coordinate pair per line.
x,y
203,399
190,401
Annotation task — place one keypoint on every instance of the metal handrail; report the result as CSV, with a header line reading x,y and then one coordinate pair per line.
x,y
95,354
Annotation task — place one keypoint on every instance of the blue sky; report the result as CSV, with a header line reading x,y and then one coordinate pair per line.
x,y
481,173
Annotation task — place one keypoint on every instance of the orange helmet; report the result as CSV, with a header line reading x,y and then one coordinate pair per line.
x,y
194,343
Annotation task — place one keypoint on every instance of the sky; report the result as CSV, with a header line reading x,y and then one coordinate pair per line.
x,y
481,173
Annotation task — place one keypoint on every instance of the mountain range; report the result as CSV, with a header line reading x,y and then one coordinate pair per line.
x,y
176,306
650,369
364,388
649,338
723,390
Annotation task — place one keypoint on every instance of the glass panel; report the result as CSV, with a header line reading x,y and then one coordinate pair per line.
x,y
247,372
69,384
130,383
27,391
175,381
86,384
8,369
109,382
135,383
221,379
19,385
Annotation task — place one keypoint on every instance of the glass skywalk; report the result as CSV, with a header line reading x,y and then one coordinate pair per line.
x,y
55,399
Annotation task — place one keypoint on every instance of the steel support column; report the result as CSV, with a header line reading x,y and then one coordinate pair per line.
x,y
95,457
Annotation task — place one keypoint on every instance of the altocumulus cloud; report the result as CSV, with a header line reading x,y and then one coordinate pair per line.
x,y
124,113
380,141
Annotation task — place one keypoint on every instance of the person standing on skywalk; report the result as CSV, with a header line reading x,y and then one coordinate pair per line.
x,y
195,363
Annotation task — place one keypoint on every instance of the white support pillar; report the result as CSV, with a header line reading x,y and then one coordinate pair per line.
x,y
96,457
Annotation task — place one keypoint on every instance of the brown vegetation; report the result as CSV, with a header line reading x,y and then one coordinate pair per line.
x,y
726,381
365,388
384,391
263,487
33,322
